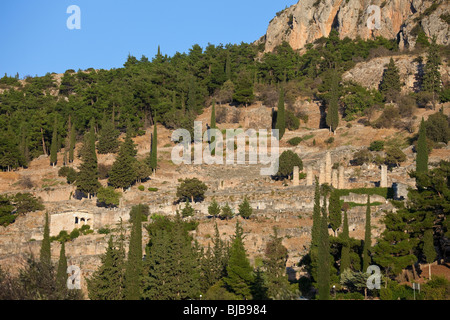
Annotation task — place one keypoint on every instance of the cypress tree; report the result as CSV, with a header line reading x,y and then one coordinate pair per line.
x,y
315,232
390,85
133,269
429,250
54,145
345,251
335,211
61,274
332,118
367,238
45,253
107,282
281,117
239,277
220,253
422,149
323,259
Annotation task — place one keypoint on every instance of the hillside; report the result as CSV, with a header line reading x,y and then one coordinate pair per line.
x,y
343,68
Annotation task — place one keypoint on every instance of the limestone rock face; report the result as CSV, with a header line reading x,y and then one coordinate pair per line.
x,y
309,20
370,73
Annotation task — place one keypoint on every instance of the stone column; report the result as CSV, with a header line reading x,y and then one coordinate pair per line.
x,y
309,176
322,173
383,181
334,178
328,168
295,178
341,178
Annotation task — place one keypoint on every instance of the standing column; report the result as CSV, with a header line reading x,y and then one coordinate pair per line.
x,y
341,178
383,181
295,179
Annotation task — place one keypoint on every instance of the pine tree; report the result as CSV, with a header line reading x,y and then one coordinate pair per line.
x,y
422,149
133,268
394,248
245,210
87,178
187,211
61,274
122,174
367,238
345,251
335,211
432,75
390,85
323,268
54,145
214,208
429,250
239,277
107,282
45,253
228,67
332,118
171,270
278,287
281,116
72,141
315,232
108,141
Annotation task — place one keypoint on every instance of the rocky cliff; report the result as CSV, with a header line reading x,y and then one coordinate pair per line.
x,y
309,20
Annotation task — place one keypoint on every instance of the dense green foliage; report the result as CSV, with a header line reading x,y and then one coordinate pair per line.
x,y
192,189
422,149
287,161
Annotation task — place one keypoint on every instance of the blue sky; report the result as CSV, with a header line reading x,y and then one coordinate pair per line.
x,y
35,39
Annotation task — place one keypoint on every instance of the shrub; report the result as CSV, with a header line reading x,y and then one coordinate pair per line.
x,y
292,122
152,189
74,234
104,230
108,197
329,140
295,141
394,156
141,188
376,145
360,157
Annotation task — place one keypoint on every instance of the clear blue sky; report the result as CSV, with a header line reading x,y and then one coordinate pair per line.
x,y
35,39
